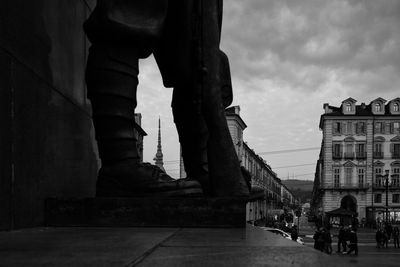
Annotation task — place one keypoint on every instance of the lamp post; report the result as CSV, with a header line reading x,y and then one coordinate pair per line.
x,y
387,194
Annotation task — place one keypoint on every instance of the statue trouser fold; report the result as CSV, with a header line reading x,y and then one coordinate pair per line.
x,y
111,78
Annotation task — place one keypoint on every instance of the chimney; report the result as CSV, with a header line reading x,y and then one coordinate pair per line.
x,y
363,105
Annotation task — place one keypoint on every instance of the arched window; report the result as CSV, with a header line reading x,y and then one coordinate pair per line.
x,y
395,107
348,107
378,107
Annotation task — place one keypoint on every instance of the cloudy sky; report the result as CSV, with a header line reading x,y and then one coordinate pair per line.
x,y
287,59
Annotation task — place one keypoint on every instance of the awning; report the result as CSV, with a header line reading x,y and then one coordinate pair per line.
x,y
340,212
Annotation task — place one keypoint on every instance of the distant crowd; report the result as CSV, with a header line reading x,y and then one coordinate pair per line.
x,y
347,239
385,234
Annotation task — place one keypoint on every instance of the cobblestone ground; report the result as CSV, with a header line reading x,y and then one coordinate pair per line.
x,y
368,254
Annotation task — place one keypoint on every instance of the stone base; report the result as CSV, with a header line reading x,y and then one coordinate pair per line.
x,y
157,212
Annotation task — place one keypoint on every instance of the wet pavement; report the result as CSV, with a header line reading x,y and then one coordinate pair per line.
x,y
79,246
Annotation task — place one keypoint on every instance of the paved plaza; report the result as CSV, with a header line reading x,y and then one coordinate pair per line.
x,y
368,254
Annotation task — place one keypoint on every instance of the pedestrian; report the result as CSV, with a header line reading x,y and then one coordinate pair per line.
x,y
327,241
294,233
353,241
385,239
396,234
346,237
363,221
341,239
378,238
389,230
318,239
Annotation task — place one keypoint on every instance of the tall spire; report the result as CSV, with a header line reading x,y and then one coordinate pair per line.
x,y
159,155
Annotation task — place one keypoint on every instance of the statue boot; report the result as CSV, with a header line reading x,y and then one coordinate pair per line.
x,y
193,136
111,78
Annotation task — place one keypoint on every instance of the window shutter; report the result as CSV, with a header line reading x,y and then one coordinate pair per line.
x,y
340,127
391,148
391,125
357,128
341,149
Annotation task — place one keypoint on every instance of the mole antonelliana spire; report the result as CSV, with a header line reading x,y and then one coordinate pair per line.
x,y
158,159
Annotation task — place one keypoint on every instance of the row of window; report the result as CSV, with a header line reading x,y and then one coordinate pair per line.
x,y
378,107
382,127
378,198
348,177
360,151
351,127
378,182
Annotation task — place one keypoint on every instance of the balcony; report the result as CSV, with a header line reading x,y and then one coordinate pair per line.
x,y
336,156
378,155
346,187
396,155
348,155
383,188
361,155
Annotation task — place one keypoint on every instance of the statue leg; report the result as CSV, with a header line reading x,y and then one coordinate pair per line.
x,y
193,136
223,163
111,78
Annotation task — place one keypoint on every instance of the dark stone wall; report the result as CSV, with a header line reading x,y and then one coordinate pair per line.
x,y
47,146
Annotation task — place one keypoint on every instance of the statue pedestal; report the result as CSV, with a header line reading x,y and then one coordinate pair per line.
x,y
157,212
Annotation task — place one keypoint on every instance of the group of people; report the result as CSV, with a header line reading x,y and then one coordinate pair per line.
x,y
384,235
323,240
347,240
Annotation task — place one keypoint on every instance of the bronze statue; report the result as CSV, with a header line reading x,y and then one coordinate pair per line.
x,y
184,37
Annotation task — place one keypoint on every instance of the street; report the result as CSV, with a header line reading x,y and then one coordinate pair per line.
x,y
368,254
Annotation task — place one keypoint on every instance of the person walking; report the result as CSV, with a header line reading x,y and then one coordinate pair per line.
x,y
327,241
294,233
396,234
318,239
341,239
378,238
385,239
353,246
389,230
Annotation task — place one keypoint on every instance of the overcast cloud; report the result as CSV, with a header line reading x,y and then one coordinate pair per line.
x,y
287,59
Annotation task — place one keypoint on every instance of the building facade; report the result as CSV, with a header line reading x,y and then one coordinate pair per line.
x,y
272,195
139,134
360,151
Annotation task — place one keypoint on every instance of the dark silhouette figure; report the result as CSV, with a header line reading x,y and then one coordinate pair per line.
x,y
184,37
389,230
327,241
341,239
379,238
294,233
396,234
353,241
319,239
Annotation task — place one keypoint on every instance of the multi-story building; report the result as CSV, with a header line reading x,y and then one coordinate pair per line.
x,y
139,134
360,151
287,197
273,193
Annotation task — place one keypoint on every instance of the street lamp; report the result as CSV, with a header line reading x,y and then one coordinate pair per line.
x,y
387,192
